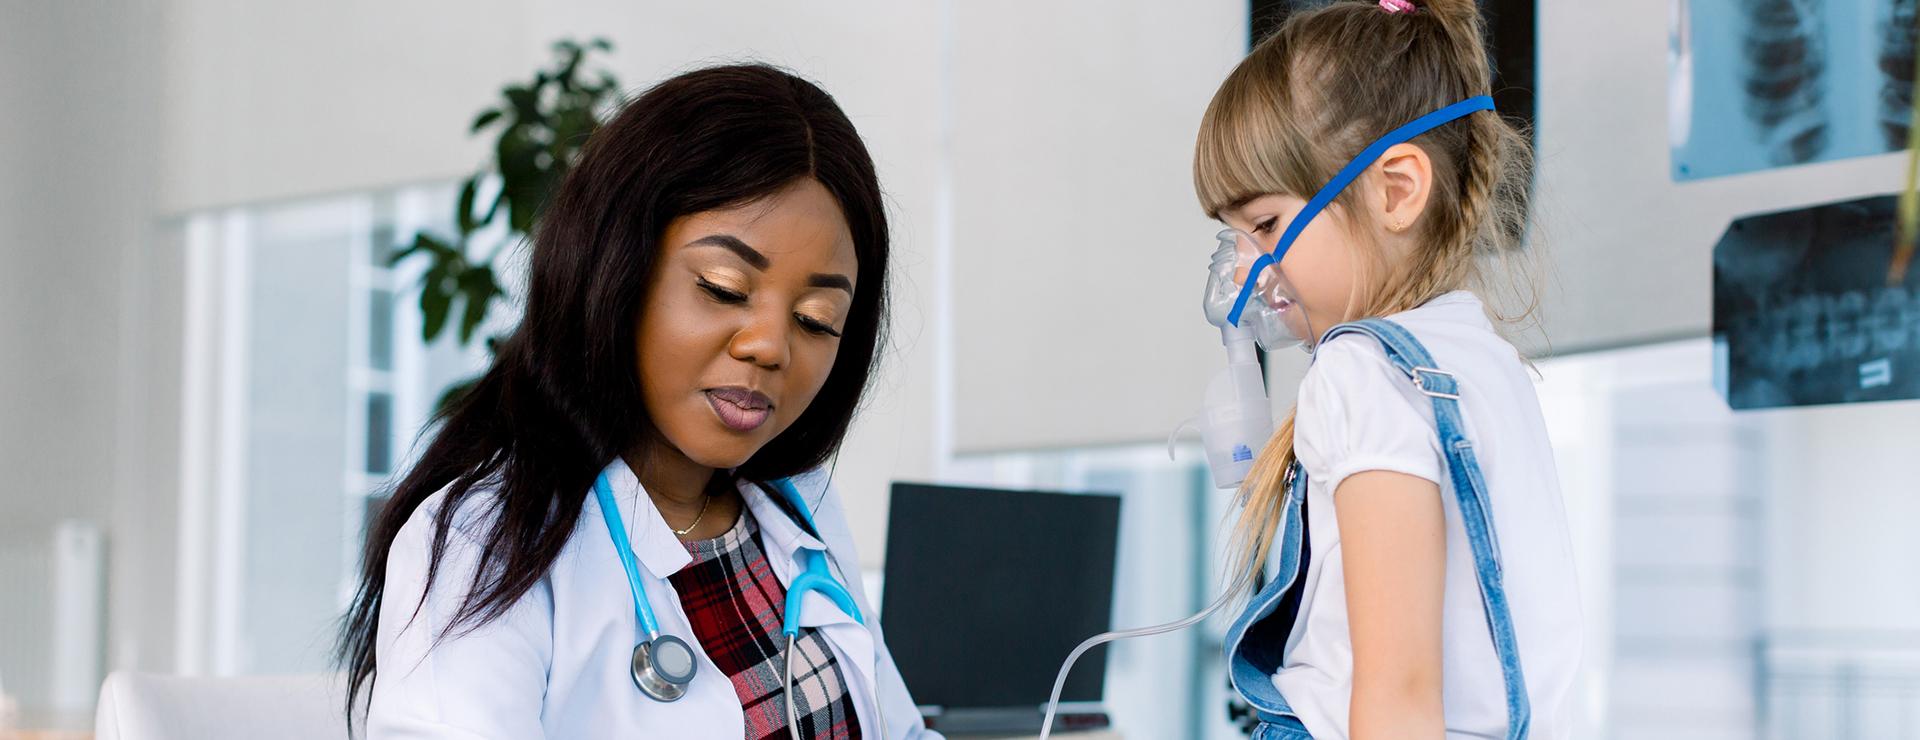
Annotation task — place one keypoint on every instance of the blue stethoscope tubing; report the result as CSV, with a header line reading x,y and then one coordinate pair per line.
x,y
663,665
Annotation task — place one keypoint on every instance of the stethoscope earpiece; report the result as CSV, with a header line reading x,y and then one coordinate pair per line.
x,y
663,667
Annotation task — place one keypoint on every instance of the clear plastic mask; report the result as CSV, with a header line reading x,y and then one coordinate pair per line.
x,y
1274,316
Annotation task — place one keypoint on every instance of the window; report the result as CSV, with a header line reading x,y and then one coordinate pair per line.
x,y
317,384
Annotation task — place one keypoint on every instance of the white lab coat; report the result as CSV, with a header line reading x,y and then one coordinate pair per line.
x,y
555,665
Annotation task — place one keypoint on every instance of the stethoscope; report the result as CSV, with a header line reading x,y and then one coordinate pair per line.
x,y
663,665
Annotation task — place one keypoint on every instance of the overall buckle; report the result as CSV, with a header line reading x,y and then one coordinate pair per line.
x,y
1420,375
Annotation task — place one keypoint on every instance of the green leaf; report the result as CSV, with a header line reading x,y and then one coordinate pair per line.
x,y
601,43
517,154
569,68
570,129
424,242
434,302
526,103
524,183
487,116
404,253
477,286
467,194
520,211
494,209
524,203
453,394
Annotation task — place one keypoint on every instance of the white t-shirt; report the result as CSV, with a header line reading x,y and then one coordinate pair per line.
x,y
1356,413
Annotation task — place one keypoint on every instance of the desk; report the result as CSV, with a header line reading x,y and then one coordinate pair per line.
x,y
1084,735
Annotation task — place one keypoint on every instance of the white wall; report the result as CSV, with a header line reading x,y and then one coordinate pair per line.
x,y
265,101
87,315
71,184
1842,555
1079,250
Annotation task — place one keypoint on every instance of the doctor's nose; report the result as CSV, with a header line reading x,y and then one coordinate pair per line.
x,y
765,340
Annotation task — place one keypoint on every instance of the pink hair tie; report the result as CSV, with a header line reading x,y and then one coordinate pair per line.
x,y
1398,6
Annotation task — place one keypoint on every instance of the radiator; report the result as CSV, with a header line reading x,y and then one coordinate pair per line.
x,y
52,617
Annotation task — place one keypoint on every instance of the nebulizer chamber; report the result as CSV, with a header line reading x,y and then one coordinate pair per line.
x,y
1237,418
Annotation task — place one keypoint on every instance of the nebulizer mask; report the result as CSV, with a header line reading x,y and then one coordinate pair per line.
x,y
1272,314
1237,418
1259,308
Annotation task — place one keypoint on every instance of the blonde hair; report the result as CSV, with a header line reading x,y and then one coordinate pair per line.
x,y
1329,82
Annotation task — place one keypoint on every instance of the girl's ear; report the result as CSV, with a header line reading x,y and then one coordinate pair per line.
x,y
1404,183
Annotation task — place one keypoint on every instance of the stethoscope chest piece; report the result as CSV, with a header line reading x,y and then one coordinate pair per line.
x,y
662,667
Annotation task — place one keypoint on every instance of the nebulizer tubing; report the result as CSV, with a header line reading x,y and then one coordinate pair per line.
x,y
1060,681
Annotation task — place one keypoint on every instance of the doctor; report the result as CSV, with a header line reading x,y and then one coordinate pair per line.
x,y
623,530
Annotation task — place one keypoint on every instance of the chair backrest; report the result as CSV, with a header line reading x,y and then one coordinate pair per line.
x,y
144,706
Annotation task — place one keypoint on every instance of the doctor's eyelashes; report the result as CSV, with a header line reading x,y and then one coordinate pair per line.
x,y
816,326
720,293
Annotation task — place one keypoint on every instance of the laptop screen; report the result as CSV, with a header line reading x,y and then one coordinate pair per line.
x,y
987,591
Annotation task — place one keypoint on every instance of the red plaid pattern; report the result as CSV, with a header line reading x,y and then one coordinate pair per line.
x,y
734,601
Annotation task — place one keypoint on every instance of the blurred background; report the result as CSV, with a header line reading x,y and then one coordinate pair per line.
x,y
212,362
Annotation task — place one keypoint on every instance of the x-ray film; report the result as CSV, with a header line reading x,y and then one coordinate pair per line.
x,y
1804,312
1758,84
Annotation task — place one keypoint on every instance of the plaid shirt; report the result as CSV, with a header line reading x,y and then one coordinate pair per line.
x,y
734,602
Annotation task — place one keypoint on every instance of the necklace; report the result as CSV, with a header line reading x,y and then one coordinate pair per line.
x,y
696,518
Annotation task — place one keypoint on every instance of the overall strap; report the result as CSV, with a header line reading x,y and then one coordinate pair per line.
x,y
1469,486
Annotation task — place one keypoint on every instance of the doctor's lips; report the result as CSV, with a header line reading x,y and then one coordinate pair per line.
x,y
741,409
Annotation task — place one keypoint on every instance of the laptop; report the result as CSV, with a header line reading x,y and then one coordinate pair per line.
x,y
985,593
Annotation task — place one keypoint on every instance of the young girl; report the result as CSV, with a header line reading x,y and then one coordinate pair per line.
x,y
1425,583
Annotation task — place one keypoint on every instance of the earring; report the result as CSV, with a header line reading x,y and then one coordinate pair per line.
x,y
1399,226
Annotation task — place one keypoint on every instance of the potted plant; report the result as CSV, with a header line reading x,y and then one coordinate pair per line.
x,y
540,127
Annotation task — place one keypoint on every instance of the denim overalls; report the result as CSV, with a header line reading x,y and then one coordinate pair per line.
x,y
1268,619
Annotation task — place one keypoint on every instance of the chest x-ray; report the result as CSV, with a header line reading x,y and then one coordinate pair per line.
x,y
1757,84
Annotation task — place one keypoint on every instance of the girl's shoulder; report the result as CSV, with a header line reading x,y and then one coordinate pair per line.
x,y
1453,329
1353,368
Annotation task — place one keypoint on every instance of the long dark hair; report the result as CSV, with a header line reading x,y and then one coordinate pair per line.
x,y
562,398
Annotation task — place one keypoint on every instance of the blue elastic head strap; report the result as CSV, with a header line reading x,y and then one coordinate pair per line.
x,y
1340,182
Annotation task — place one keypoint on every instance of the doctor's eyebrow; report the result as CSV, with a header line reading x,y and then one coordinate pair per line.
x,y
733,244
760,262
